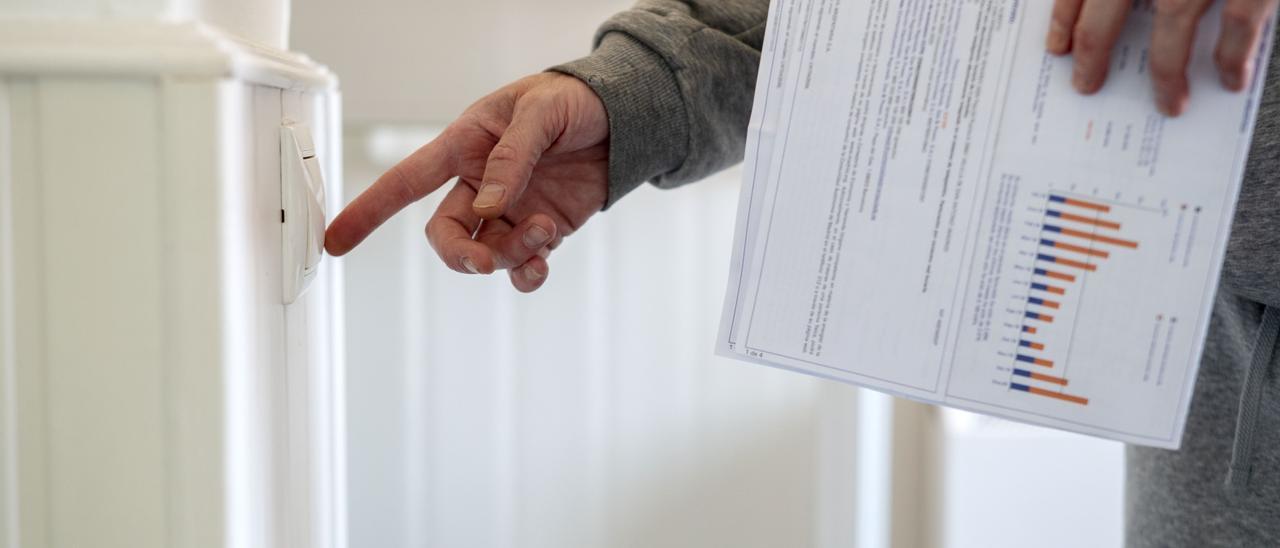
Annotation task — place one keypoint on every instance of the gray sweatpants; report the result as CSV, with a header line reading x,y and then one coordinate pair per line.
x,y
1180,498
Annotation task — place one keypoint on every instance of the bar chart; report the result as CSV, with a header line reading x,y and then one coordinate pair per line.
x,y
1080,302
1076,238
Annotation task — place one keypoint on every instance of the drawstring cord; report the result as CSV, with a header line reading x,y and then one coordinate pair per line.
x,y
1251,401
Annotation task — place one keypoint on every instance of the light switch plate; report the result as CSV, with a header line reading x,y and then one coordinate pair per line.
x,y
302,213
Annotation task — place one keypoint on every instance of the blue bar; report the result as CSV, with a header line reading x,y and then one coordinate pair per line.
x,y
1059,199
1052,228
1026,328
1052,213
1041,272
1046,258
1039,287
1049,243
1024,343
1017,386
1022,373
1035,300
1027,359
1033,315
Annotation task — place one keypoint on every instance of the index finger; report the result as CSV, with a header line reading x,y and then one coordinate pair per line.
x,y
418,175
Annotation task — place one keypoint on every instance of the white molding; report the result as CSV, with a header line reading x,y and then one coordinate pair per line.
x,y
30,447
151,48
9,532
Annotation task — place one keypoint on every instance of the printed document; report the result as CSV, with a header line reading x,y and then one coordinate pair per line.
x,y
930,209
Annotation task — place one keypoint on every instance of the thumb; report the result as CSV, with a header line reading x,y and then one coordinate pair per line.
x,y
534,128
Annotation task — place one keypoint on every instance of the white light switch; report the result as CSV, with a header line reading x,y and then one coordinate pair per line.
x,y
302,208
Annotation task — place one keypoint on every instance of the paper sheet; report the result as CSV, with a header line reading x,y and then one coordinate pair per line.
x,y
929,209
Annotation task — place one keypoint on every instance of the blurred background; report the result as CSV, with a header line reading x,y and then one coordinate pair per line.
x,y
594,413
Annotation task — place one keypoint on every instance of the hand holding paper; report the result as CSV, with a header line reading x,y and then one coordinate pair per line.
x,y
931,209
1089,29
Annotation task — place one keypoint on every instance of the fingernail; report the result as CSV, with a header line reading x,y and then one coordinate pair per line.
x,y
489,196
1232,80
535,237
1081,81
470,266
532,274
1167,103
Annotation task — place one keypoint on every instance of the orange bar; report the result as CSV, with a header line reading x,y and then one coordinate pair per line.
x,y
1081,249
1049,378
1029,329
1059,276
1035,345
1086,205
1082,219
1055,290
1049,304
1043,362
1058,395
1076,264
1099,238
1044,318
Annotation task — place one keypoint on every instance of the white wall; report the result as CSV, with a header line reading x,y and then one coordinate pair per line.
x,y
589,414
426,60
1010,485
263,21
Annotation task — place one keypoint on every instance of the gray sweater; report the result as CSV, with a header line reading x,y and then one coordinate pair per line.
x,y
677,79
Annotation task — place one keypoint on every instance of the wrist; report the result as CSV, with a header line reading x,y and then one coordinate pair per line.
x,y
648,127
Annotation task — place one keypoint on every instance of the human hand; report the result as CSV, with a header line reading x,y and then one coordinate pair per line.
x,y
532,166
1089,29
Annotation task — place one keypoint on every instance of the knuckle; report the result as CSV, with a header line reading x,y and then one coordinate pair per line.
x,y
1062,10
403,184
1163,73
432,230
549,109
470,119
541,98
1166,71
1167,79
1165,66
1239,17
1088,42
505,152
1230,60
504,261
509,253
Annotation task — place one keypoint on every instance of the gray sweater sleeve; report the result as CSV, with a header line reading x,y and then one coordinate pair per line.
x,y
677,78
